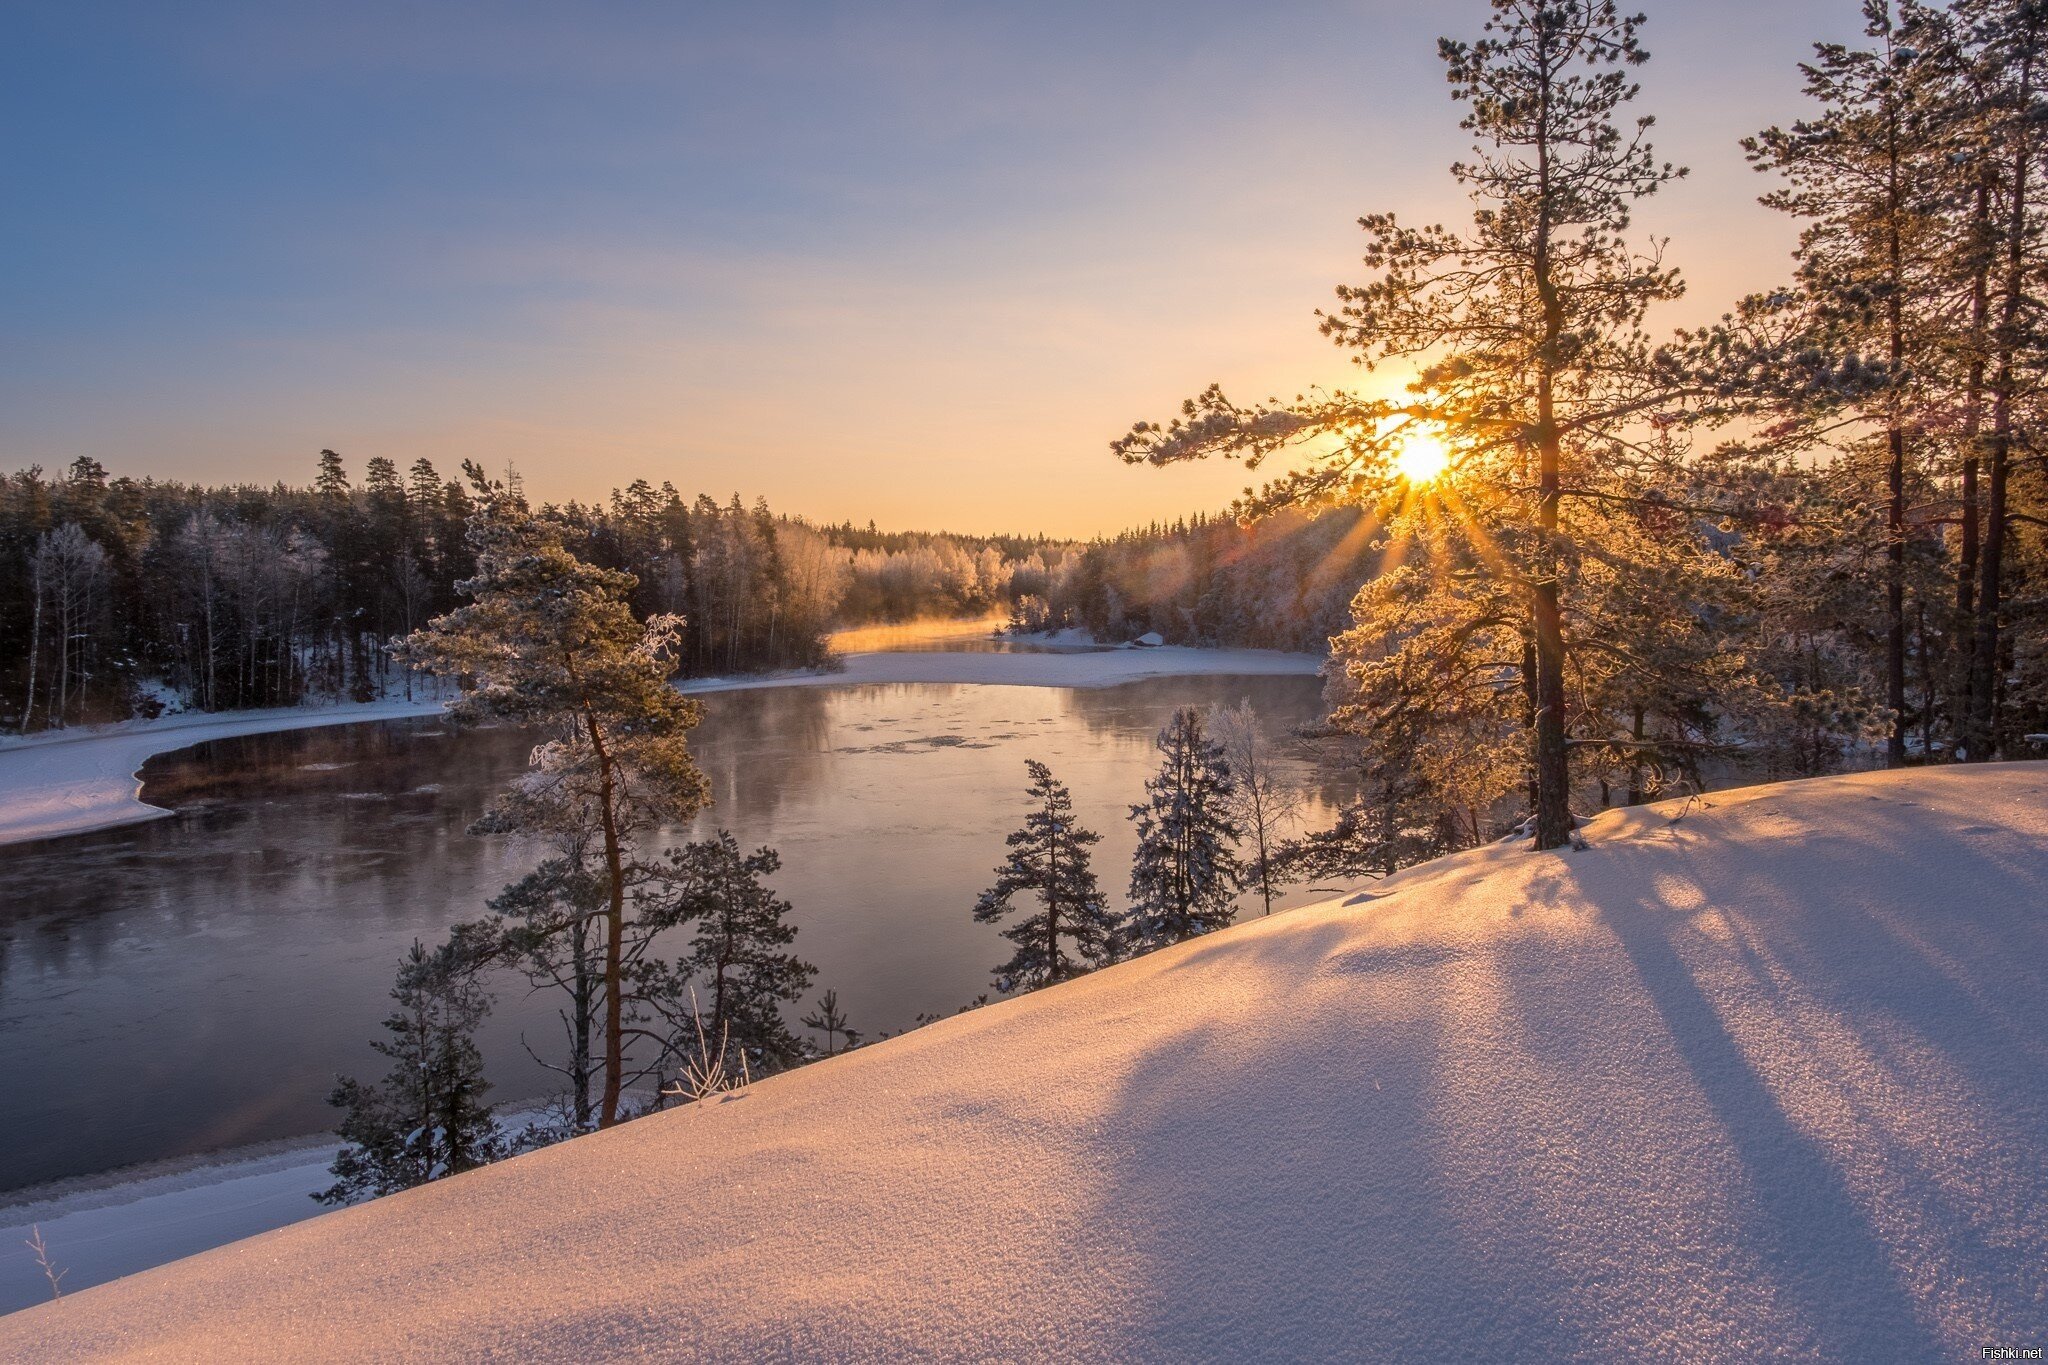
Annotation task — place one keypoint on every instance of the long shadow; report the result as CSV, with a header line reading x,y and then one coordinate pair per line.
x,y
1813,1240
1296,1175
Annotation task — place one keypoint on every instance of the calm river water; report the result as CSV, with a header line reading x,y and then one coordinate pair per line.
x,y
196,983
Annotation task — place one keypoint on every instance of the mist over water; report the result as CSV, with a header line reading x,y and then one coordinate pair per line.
x,y
196,983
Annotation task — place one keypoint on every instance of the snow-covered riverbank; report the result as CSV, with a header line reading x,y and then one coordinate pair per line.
x,y
78,781
100,1230
1764,1081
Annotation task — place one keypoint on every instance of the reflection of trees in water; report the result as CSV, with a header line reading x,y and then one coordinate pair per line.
x,y
758,746
1132,713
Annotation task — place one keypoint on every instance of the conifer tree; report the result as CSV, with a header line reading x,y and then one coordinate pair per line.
x,y
829,1020
1072,928
428,1118
1868,176
2002,52
548,639
1186,876
734,969
1533,365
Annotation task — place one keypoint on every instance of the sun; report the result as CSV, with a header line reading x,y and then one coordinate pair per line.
x,y
1422,458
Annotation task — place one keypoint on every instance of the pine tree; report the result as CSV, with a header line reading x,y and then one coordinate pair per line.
x,y
1533,364
1869,177
1072,928
2003,50
830,1021
549,640
427,1119
1185,878
332,480
551,926
733,969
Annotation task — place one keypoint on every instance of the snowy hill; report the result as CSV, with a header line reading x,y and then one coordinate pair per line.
x,y
1769,1082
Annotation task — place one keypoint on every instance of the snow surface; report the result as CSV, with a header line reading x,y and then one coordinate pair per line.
x,y
76,781
1766,1082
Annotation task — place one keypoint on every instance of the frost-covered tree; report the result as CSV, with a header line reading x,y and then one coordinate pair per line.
x,y
1186,876
428,1118
1264,801
1072,927
1526,339
734,974
2000,63
550,640
1869,176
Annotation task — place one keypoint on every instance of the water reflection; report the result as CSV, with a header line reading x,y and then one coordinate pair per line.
x,y
196,983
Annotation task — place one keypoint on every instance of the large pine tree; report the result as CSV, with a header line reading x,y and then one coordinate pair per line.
x,y
1868,175
549,640
1186,876
1072,927
1525,337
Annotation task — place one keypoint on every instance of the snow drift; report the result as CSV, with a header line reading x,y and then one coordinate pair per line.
x,y
1767,1082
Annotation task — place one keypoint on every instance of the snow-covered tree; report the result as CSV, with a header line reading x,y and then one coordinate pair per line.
x,y
428,1118
1531,363
1868,175
1186,876
1072,927
1264,801
549,640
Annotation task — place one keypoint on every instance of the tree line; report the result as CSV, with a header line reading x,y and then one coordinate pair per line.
x,y
1803,537
1282,581
123,596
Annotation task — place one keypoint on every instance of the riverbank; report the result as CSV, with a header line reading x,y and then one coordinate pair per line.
x,y
1748,1078
78,782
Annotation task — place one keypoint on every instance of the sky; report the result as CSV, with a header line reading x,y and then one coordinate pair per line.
x,y
914,263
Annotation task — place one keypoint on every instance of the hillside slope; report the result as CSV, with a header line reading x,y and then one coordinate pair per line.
x,y
1771,1082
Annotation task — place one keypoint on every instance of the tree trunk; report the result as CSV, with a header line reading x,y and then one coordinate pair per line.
x,y
1984,668
1965,633
615,924
35,645
1552,764
1895,480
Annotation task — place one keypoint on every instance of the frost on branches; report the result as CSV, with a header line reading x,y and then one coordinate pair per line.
x,y
1186,876
1072,928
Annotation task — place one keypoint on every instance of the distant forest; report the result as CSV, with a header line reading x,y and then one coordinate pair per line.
x,y
122,595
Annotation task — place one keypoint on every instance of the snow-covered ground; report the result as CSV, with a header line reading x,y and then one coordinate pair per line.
x,y
76,781
1766,1082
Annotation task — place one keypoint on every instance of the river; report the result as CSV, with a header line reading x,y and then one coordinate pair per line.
x,y
195,984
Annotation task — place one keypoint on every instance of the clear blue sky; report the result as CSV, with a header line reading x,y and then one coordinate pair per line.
x,y
914,262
